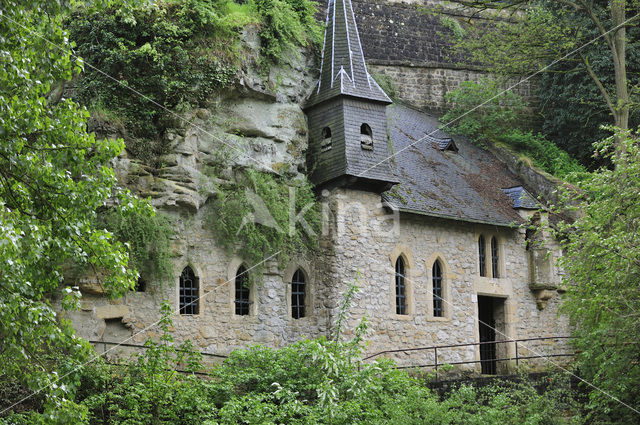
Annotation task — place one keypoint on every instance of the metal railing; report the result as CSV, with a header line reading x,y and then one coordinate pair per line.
x,y
144,347
140,347
517,357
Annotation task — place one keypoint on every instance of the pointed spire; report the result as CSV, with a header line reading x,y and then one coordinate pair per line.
x,y
343,70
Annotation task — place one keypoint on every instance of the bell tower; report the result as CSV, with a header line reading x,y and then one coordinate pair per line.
x,y
348,139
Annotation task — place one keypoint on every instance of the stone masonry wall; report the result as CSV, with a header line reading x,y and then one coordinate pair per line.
x,y
364,241
216,329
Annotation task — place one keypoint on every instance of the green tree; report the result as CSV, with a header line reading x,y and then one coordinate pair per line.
x,y
53,178
536,32
602,265
571,106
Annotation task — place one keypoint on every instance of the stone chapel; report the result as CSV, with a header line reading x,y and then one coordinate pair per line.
x,y
430,226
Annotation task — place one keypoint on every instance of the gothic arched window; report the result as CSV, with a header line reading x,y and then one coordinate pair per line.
x,y
494,257
298,294
436,275
189,292
243,292
482,256
401,287
366,137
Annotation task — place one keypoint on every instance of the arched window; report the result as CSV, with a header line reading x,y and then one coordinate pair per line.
x,y
366,137
242,301
325,144
298,294
401,287
494,257
189,292
481,256
438,307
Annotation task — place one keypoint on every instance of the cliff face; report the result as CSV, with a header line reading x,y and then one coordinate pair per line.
x,y
255,122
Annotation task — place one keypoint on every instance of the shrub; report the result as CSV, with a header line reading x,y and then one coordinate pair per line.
x,y
486,113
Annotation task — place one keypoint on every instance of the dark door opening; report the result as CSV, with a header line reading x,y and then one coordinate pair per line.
x,y
487,328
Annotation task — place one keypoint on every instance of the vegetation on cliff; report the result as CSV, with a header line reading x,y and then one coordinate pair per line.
x,y
261,214
157,59
487,114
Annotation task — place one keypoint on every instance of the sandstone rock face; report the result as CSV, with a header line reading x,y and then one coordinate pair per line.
x,y
257,122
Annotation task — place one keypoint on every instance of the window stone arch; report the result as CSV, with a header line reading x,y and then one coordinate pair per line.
x,y
232,282
439,274
495,257
489,247
189,291
299,290
482,256
401,255
243,292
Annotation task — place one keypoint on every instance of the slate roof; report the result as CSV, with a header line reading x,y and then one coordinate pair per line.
x,y
343,70
466,185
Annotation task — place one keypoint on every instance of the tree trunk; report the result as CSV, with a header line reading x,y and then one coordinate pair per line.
x,y
621,112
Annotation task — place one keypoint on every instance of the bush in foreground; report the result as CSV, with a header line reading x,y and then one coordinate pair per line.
x,y
311,382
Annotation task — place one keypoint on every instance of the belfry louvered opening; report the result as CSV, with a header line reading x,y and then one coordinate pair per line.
x,y
366,137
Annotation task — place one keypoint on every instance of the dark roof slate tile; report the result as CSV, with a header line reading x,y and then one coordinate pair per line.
x,y
465,185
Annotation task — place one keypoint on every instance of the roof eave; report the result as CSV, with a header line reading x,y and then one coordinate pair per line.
x,y
456,218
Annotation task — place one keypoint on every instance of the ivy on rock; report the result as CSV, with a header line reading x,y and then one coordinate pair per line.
x,y
261,214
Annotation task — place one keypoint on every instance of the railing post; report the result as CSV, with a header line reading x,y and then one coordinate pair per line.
x,y
517,360
435,357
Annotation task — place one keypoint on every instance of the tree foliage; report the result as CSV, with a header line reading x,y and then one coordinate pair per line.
x,y
602,264
488,114
54,176
528,35
571,105
310,382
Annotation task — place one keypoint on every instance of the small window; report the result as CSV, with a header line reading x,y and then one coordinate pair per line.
x,y
401,287
366,137
438,307
242,301
298,295
325,145
189,288
494,257
481,256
